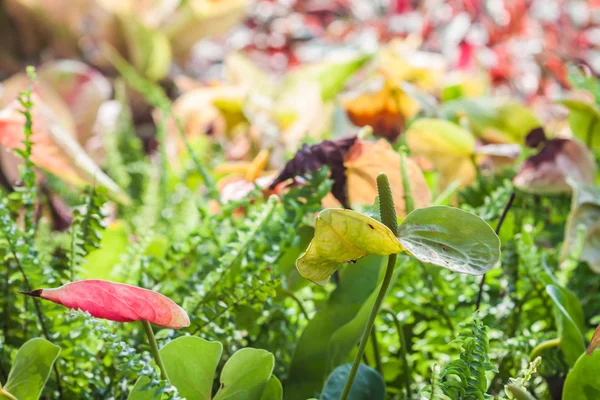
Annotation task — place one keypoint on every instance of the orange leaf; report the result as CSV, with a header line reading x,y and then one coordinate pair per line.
x,y
367,159
54,148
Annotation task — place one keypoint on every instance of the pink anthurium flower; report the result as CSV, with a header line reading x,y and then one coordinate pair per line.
x,y
117,302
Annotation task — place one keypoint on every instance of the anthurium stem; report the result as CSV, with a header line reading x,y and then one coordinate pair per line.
x,y
4,394
388,217
409,203
540,348
507,207
155,352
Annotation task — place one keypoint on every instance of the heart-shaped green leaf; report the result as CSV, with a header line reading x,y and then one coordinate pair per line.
x,y
582,382
343,236
245,375
368,384
273,390
191,363
450,238
31,369
565,313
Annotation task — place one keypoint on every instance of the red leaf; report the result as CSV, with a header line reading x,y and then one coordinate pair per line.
x,y
117,302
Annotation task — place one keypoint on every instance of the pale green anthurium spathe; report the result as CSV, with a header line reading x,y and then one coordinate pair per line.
x,y
443,236
344,236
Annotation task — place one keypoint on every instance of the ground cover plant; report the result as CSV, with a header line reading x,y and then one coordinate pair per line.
x,y
404,221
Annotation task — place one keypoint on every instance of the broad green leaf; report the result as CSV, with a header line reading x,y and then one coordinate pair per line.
x,y
273,390
287,262
330,75
347,336
368,384
571,337
191,363
31,369
585,210
149,50
245,375
582,382
584,120
311,362
143,390
100,262
343,236
450,238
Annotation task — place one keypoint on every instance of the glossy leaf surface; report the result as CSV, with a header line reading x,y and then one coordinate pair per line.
x,y
245,375
571,337
368,384
31,368
450,238
582,382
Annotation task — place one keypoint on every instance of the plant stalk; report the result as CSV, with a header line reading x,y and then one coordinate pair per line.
x,y
155,351
507,207
388,217
403,349
376,353
4,394
540,348
365,336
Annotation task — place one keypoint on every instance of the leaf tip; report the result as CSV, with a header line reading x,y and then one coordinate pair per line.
x,y
33,293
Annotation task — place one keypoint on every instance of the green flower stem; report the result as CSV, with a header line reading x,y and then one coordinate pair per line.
x,y
409,203
155,352
540,348
507,207
388,217
376,351
403,349
5,395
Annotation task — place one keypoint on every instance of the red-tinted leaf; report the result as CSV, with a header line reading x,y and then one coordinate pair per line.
x,y
558,162
117,302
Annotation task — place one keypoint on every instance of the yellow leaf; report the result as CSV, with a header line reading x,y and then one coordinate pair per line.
x,y
446,145
343,236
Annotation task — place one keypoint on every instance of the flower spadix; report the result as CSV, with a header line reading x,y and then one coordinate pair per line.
x,y
117,302
344,236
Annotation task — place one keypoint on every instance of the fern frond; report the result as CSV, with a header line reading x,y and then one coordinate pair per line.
x,y
465,378
87,227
